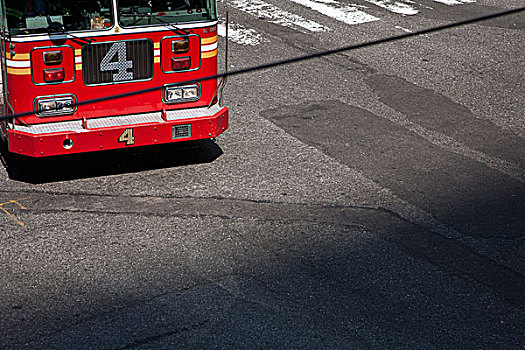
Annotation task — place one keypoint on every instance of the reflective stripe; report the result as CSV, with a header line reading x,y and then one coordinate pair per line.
x,y
15,71
209,54
19,56
206,41
209,47
18,64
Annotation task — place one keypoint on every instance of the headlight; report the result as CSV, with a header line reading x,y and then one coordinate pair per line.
x,y
173,94
47,106
65,105
184,93
55,106
190,93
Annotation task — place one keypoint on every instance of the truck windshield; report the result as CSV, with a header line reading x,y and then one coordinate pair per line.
x,y
133,13
36,16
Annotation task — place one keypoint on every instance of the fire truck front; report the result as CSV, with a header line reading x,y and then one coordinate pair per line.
x,y
63,62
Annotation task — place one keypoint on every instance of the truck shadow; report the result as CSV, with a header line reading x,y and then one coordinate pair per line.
x,y
86,165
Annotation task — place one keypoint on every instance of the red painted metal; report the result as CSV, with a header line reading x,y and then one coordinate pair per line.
x,y
26,85
96,139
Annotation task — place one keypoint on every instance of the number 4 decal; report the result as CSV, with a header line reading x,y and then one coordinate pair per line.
x,y
127,137
121,64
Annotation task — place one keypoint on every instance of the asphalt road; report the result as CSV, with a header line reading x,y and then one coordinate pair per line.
x,y
371,199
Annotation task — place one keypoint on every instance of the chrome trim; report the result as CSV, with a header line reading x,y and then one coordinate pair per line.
x,y
181,114
124,120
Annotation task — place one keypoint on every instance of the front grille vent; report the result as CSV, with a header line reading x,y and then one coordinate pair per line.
x,y
117,62
181,131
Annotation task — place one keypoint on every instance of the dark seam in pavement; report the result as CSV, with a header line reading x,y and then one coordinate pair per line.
x,y
430,255
109,313
243,200
202,215
163,335
218,198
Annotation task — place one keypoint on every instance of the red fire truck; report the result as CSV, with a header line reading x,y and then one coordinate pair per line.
x,y
57,54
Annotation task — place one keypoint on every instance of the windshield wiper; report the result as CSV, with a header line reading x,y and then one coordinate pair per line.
x,y
57,27
151,16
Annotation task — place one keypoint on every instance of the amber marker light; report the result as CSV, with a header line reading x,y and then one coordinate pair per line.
x,y
52,57
180,46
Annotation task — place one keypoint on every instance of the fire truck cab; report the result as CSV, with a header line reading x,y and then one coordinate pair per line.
x,y
57,55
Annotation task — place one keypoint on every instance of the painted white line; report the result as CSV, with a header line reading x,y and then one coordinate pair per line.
x,y
239,34
274,14
454,2
403,29
348,14
395,6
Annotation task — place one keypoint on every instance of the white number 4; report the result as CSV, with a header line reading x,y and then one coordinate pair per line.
x,y
121,64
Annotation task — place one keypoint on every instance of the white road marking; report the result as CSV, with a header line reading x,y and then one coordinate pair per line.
x,y
349,14
240,34
274,14
403,29
400,7
454,2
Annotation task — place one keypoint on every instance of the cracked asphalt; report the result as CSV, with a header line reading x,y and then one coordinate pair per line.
x,y
372,199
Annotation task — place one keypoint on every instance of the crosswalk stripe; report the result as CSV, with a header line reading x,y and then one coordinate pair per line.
x,y
339,10
276,15
240,34
454,2
400,7
345,13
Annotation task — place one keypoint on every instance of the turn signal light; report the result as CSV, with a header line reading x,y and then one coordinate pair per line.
x,y
181,63
53,75
52,57
180,46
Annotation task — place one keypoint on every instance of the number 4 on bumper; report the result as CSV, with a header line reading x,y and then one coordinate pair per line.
x,y
127,137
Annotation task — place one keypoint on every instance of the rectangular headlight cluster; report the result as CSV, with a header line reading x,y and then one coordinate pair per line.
x,y
54,106
185,93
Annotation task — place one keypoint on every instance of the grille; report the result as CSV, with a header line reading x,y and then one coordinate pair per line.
x,y
117,62
181,131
